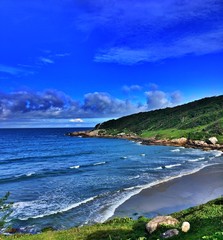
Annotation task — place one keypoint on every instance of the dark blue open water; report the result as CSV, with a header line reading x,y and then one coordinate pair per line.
x,y
62,181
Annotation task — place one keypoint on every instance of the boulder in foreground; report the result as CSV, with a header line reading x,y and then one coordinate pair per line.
x,y
152,225
170,233
212,140
185,227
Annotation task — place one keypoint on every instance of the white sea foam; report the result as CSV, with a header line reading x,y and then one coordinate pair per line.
x,y
99,163
75,167
217,153
173,165
72,206
196,159
25,175
19,175
22,204
158,168
129,188
108,213
137,176
175,150
30,174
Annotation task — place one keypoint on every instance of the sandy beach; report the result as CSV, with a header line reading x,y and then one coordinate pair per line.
x,y
174,195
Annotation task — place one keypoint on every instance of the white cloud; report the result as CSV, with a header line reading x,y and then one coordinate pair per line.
x,y
199,44
76,120
44,107
131,88
15,71
45,60
122,55
50,57
150,31
56,104
158,99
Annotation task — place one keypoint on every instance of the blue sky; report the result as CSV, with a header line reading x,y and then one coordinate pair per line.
x,y
73,63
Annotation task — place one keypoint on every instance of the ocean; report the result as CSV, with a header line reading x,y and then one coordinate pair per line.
x,y
60,182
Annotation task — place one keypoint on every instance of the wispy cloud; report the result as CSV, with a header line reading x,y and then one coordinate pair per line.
x,y
15,71
50,58
61,55
28,69
150,31
198,44
76,120
131,88
45,60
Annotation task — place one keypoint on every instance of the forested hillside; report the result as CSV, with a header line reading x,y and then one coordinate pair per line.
x,y
196,120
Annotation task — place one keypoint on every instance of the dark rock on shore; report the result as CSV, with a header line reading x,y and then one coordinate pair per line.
x,y
210,144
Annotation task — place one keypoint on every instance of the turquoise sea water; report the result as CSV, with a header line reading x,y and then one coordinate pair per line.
x,y
62,181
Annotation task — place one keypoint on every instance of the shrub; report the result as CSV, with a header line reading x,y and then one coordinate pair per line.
x,y
5,209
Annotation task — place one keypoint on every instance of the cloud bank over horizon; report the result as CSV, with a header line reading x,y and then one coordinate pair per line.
x,y
54,104
90,60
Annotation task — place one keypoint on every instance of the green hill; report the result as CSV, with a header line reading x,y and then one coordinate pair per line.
x,y
196,120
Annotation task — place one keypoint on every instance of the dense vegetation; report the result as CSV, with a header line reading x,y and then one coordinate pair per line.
x,y
206,224
196,120
5,209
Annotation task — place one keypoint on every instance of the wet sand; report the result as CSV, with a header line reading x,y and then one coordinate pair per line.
x,y
175,195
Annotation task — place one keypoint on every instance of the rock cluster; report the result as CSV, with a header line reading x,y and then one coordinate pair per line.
x,y
155,223
210,144
212,140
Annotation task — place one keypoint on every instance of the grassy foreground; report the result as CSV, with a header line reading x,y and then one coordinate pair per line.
x,y
206,223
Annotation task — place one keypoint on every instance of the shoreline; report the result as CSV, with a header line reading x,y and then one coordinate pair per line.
x,y
181,142
175,194
135,198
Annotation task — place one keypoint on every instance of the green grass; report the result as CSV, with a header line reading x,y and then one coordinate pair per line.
x,y
206,223
166,133
173,133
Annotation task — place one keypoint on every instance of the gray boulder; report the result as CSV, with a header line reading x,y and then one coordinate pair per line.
x,y
152,225
170,233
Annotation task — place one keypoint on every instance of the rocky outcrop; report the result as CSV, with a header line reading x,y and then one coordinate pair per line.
x,y
152,225
180,141
210,144
170,233
212,140
93,133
